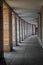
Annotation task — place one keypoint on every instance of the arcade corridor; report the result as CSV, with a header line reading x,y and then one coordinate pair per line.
x,y
21,32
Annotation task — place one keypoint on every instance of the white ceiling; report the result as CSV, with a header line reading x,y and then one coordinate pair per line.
x,y
28,15
27,9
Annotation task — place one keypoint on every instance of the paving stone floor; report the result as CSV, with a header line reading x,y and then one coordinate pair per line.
x,y
29,52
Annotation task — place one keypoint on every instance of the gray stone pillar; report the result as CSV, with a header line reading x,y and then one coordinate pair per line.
x,y
40,26
19,30
22,30
16,29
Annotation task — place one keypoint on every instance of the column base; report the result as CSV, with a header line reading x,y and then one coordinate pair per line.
x,y
2,61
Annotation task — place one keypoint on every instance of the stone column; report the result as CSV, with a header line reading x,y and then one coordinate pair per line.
x,y
32,29
16,29
19,30
13,29
41,23
7,28
27,29
39,26
24,29
10,29
18,24
1,30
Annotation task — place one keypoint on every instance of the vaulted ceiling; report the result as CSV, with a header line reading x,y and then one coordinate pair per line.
x,y
27,9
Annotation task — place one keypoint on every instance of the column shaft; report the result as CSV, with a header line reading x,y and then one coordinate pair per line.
x,y
7,28
1,30
19,30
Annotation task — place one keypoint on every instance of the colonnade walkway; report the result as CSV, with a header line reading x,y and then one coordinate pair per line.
x,y
29,52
